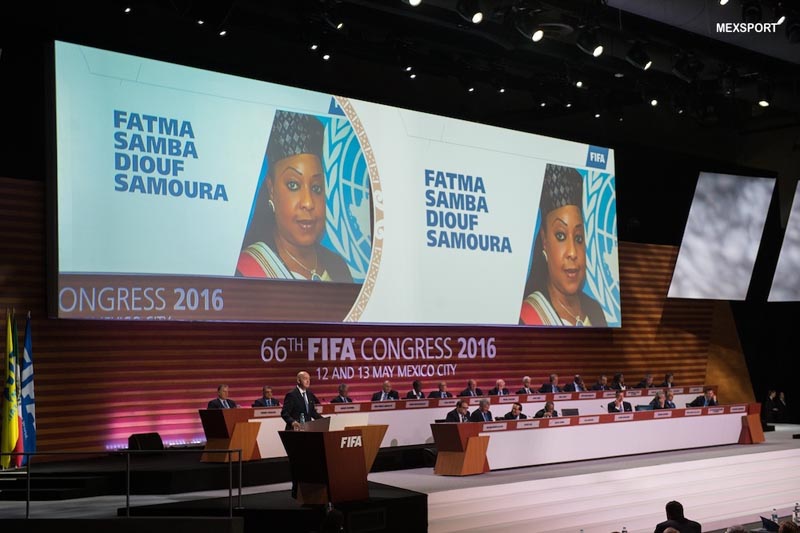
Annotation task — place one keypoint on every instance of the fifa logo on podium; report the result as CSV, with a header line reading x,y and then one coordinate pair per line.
x,y
353,441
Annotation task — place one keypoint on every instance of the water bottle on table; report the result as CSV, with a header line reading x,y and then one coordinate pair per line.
x,y
775,515
302,422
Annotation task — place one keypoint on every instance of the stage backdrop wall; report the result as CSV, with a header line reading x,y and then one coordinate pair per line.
x,y
98,382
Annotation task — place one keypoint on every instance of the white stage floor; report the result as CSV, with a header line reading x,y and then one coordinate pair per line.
x,y
718,487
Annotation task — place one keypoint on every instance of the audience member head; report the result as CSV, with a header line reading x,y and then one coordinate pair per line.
x,y
549,407
709,392
387,386
554,379
416,385
471,384
578,379
619,377
619,395
668,377
787,526
648,379
603,380
343,390
526,382
222,392
516,408
771,394
500,384
303,380
484,405
669,394
442,386
266,392
462,406
674,510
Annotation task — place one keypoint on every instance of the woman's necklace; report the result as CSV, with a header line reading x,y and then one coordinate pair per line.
x,y
578,321
312,271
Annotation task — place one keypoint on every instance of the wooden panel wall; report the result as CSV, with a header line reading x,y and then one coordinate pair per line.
x,y
97,382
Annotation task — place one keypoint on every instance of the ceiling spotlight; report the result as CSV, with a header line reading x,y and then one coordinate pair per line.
x,y
313,47
619,75
201,21
579,84
127,9
764,93
568,105
780,14
409,68
654,102
412,3
527,25
723,2
333,21
470,89
412,76
751,11
597,114
638,57
589,43
543,104
326,57
223,33
470,10
501,90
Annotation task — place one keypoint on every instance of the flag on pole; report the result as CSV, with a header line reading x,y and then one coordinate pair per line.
x,y
27,399
11,422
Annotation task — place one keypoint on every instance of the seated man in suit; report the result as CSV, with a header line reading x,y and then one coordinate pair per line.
x,y
669,399
668,380
499,389
460,413
342,396
646,383
549,411
552,385
482,413
386,393
515,413
472,389
416,391
618,383
526,386
659,401
619,405
602,384
707,399
441,392
675,519
577,385
221,401
266,399
298,404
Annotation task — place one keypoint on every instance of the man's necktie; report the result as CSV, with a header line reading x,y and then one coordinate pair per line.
x,y
383,397
485,418
472,392
224,404
305,400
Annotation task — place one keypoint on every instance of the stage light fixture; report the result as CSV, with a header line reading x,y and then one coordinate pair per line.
x,y
128,9
201,22
751,11
638,57
412,3
597,114
780,14
333,21
654,102
326,57
470,10
723,2
579,84
527,25
589,42
764,93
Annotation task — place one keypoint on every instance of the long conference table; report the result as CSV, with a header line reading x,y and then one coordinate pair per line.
x,y
409,421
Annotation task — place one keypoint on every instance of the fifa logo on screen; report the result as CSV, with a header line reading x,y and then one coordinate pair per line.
x,y
597,157
353,441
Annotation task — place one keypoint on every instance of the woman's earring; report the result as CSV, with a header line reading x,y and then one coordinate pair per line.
x,y
544,253
272,205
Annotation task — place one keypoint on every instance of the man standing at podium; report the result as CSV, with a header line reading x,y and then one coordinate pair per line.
x,y
299,401
222,401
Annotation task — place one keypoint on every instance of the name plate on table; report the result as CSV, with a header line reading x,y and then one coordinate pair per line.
x,y
508,399
624,417
662,413
412,404
553,422
589,420
677,390
382,406
263,413
695,389
609,393
738,408
562,396
447,402
536,397
495,426
474,401
586,396
347,408
716,410
633,393
652,392
693,412
527,424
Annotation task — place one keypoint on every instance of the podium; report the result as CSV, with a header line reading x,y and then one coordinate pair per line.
x,y
461,451
331,466
229,429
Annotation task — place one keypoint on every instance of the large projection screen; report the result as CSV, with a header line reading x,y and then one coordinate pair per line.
x,y
722,236
786,281
184,194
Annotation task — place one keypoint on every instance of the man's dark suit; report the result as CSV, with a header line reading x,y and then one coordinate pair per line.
x,y
391,395
216,403
453,416
669,404
540,414
643,385
509,416
684,526
667,385
293,405
413,395
476,392
700,401
600,386
523,391
549,387
264,402
339,399
477,416
438,394
495,392
574,387
626,406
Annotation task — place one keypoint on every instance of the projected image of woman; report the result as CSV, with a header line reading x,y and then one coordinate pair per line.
x,y
283,238
554,292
